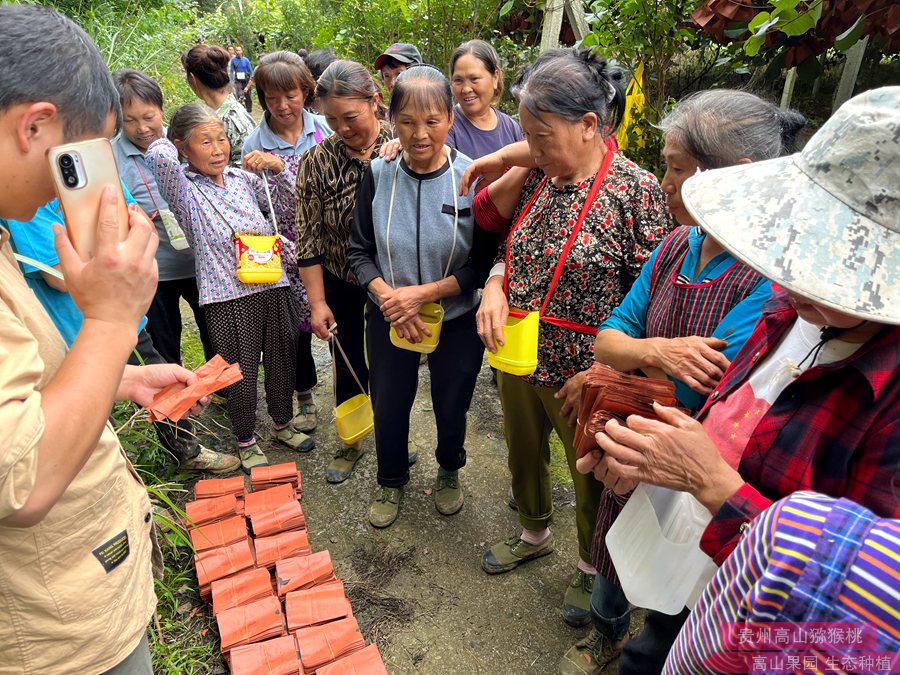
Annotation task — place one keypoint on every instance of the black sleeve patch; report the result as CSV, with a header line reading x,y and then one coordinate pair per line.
x,y
111,553
448,209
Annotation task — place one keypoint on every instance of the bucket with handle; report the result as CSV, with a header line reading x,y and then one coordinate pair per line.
x,y
354,418
518,353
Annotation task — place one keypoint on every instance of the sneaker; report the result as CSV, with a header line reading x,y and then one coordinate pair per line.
x,y
294,439
305,418
509,554
511,500
210,461
413,451
591,655
386,506
343,463
448,495
252,456
576,607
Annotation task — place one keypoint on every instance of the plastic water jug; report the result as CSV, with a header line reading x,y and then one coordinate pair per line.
x,y
654,545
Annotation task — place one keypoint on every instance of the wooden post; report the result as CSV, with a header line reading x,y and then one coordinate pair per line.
x,y
788,92
553,16
851,71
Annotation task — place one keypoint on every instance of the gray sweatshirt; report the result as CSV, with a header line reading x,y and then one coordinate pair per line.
x,y
421,232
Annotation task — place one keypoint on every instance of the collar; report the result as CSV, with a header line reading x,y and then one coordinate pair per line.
x,y
272,141
230,172
878,360
129,148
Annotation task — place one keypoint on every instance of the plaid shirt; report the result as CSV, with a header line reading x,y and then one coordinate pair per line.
x,y
835,430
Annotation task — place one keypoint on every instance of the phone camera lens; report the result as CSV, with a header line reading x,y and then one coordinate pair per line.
x,y
71,181
65,162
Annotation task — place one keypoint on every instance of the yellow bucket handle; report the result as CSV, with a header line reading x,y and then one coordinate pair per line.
x,y
332,331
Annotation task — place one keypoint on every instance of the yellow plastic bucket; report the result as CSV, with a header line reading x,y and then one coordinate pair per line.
x,y
258,258
354,419
432,315
518,354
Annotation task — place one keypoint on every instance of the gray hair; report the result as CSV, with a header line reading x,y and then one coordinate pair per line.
x,y
46,57
571,83
189,117
719,127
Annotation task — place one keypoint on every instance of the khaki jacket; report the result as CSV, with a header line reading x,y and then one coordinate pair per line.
x,y
76,590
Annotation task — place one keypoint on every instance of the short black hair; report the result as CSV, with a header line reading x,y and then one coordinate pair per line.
x,y
318,60
133,84
46,57
391,62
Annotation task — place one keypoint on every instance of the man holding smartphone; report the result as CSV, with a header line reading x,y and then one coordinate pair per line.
x,y
77,550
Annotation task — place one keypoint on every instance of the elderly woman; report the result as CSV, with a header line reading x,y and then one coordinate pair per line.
x,y
595,217
207,70
690,311
286,132
327,183
812,400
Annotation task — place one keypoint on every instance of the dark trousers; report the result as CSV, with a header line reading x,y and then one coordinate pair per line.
x,y
305,374
646,653
164,318
178,438
394,379
239,94
348,304
240,329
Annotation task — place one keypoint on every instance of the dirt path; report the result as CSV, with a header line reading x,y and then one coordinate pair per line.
x,y
418,587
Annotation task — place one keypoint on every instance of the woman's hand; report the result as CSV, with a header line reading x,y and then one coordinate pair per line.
x,y
694,360
492,314
321,319
391,150
593,463
141,384
412,330
488,168
673,452
401,305
259,161
571,392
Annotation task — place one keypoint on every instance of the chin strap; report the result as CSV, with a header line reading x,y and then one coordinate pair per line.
x,y
826,333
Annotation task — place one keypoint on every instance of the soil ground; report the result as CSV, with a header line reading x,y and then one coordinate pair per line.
x,y
417,587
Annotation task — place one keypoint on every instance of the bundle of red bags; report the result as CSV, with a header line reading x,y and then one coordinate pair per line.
x,y
608,393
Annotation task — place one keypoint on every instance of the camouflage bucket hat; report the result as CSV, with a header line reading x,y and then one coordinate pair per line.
x,y
824,223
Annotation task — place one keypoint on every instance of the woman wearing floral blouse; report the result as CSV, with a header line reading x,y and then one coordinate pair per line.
x,y
595,217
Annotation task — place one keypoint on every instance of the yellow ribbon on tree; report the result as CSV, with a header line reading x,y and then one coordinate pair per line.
x,y
635,102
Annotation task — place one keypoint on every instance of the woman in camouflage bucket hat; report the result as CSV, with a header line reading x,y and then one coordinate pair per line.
x,y
812,401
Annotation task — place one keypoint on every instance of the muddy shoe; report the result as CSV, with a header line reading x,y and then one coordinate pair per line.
x,y
386,506
210,461
591,655
342,465
576,607
296,440
509,554
448,495
305,419
252,456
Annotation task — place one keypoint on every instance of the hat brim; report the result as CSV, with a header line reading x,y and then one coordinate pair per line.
x,y
397,57
778,221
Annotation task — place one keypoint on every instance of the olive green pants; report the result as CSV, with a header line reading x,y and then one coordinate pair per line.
x,y
530,413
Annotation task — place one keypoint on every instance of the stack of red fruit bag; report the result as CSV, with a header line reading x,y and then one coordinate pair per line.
x,y
255,613
608,394
264,477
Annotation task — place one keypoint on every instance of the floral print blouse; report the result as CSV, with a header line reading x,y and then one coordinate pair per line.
x,y
627,222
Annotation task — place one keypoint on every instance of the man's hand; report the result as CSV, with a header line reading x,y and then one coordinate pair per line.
x,y
141,384
571,392
673,452
118,283
694,360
